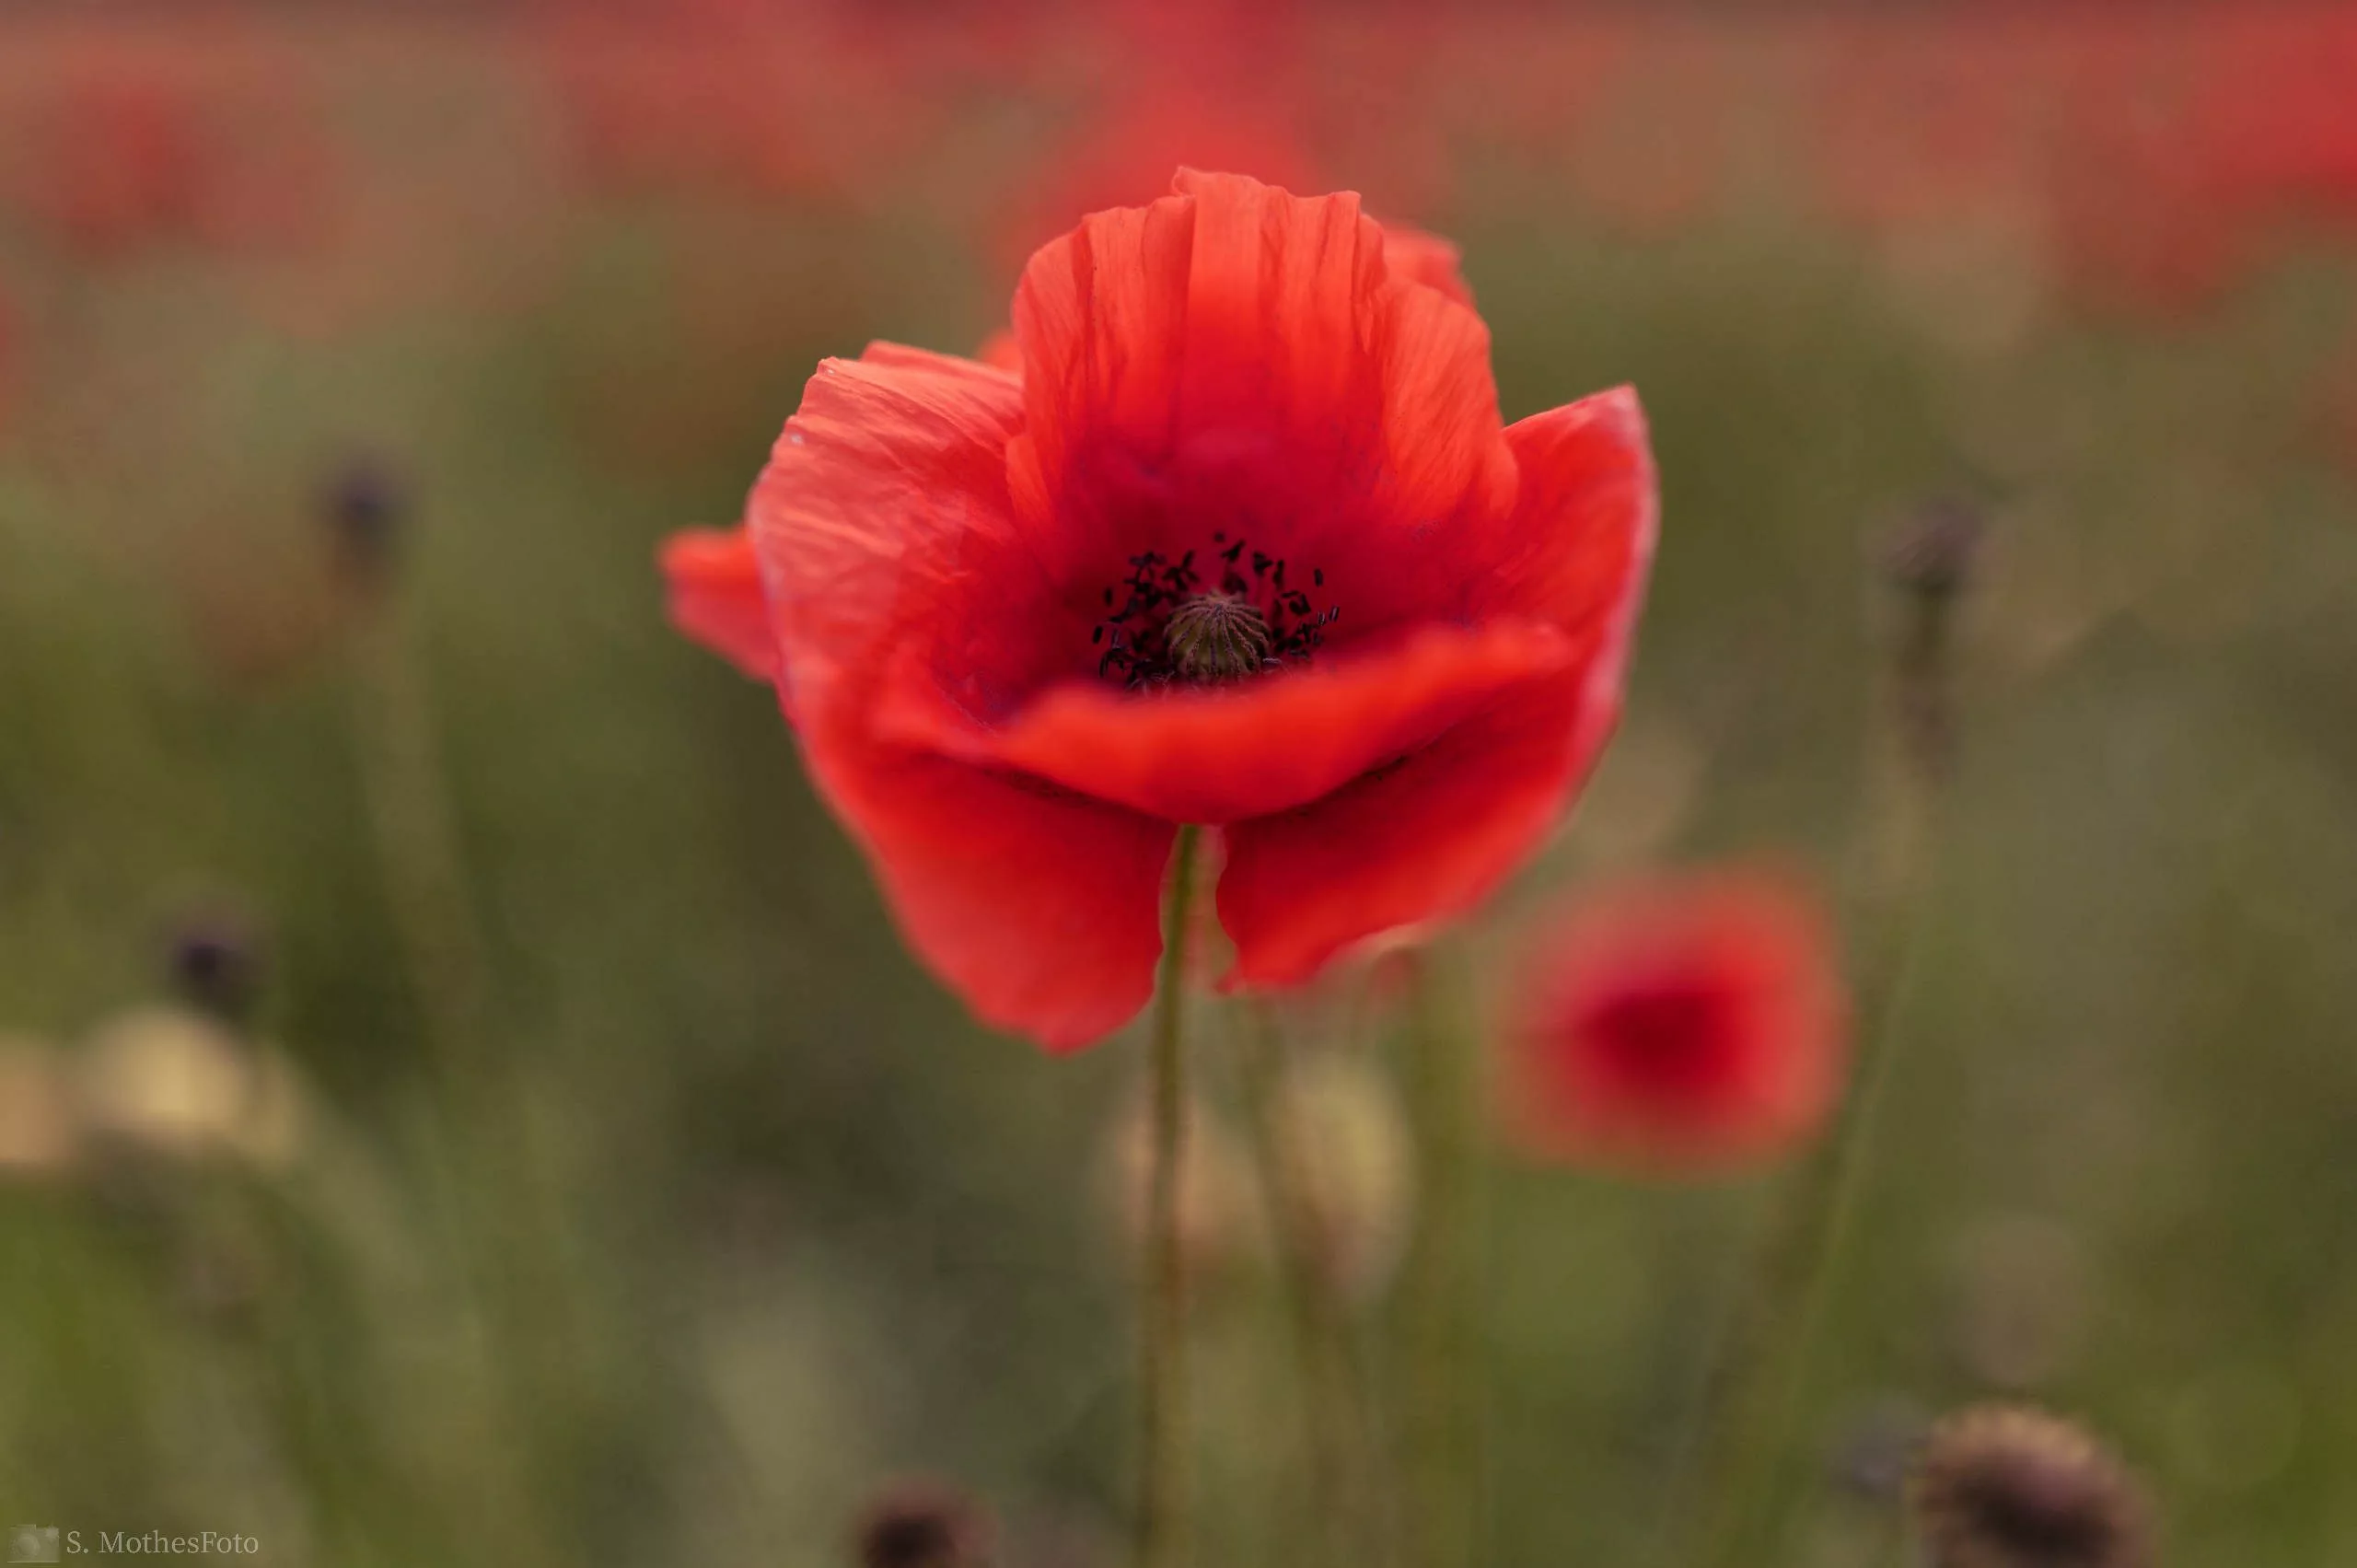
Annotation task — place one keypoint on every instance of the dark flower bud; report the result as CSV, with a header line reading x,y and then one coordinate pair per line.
x,y
923,1525
2004,1487
216,965
365,506
1930,559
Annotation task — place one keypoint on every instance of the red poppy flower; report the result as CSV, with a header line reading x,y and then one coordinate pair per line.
x,y
1687,1024
1244,545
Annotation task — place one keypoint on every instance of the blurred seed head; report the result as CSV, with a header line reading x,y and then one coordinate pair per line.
x,y
39,1133
174,1083
1218,1219
1343,1125
216,965
924,1524
2007,1487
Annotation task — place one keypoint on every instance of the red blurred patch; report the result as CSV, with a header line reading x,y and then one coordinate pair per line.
x,y
1681,1026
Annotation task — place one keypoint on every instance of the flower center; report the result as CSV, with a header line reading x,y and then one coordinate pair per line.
x,y
1218,637
1670,1038
1166,624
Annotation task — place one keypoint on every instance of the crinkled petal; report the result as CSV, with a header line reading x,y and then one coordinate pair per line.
x,y
1586,514
1432,837
1424,258
883,498
1217,754
1235,337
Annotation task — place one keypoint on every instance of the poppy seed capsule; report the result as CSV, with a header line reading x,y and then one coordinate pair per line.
x,y
1218,637
2003,1487
924,1525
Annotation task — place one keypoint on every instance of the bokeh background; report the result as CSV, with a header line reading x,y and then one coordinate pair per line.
x,y
572,1163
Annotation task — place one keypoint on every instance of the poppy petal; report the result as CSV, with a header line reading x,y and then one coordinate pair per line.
x,y
885,488
1222,754
1238,331
1424,258
715,596
1582,525
1002,351
1457,818
1039,907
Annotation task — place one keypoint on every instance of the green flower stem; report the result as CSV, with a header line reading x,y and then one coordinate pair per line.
x,y
1445,1395
1160,1540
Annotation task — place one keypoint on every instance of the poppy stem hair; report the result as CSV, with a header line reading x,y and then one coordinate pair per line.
x,y
1160,1540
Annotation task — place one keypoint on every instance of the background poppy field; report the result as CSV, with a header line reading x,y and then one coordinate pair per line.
x,y
463,1100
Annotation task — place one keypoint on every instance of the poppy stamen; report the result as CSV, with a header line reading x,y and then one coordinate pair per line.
x,y
1167,626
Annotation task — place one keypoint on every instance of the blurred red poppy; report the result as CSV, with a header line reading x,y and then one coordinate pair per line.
x,y
1244,545
133,162
1687,1024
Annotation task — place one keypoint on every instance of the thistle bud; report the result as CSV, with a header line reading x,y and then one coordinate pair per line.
x,y
2007,1487
924,1524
